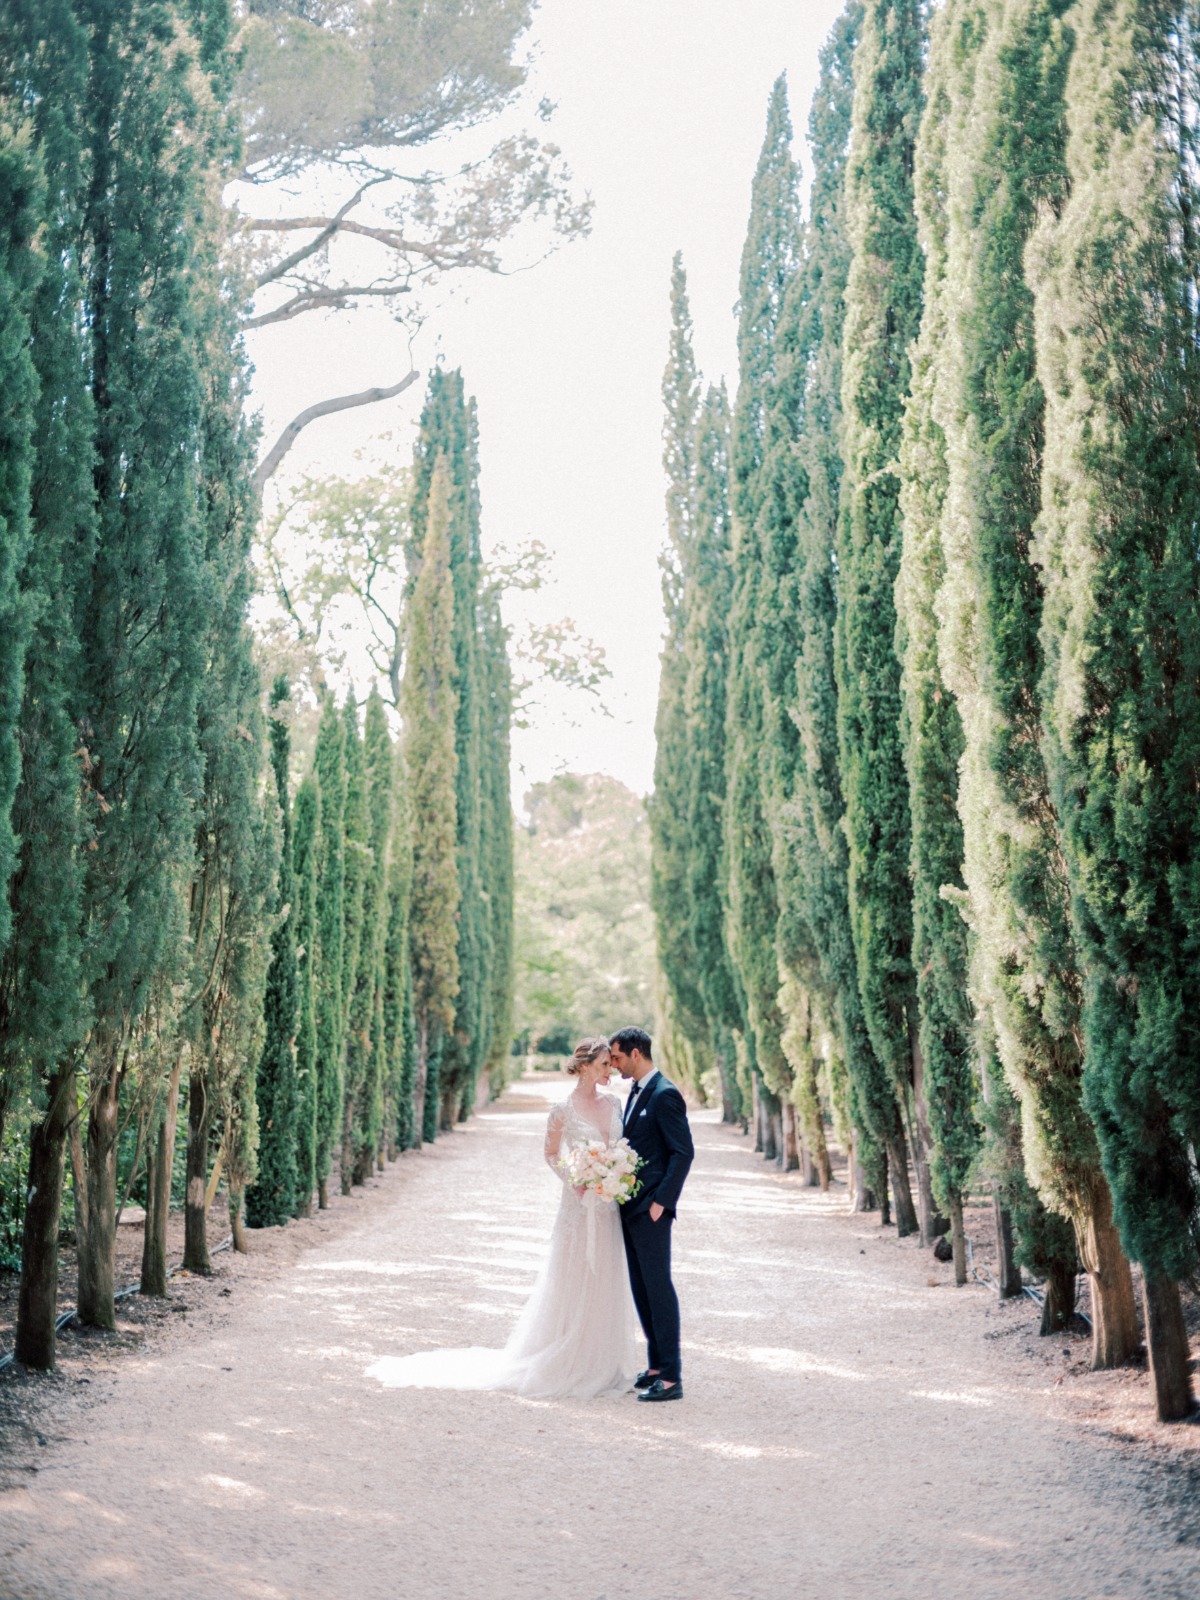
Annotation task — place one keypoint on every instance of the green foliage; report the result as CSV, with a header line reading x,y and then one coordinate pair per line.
x,y
882,312
329,996
931,728
399,1038
584,937
306,849
272,1198
430,708
769,258
1114,281
357,984
497,831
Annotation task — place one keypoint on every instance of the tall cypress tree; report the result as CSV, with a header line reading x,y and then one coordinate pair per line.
x,y
399,1033
1026,979
706,647
329,998
449,431
356,1002
272,1197
429,704
364,1112
43,1005
931,726
768,263
498,825
883,306
670,838
306,847
148,272
1114,277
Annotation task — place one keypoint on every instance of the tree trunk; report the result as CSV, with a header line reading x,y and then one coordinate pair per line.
x,y
236,1207
808,1173
195,1211
906,1212
1058,1307
885,1210
1115,1336
97,1246
862,1196
1008,1274
770,1113
958,1240
323,1194
348,1166
37,1304
78,1177
1167,1346
759,1141
932,1223
791,1145
160,1161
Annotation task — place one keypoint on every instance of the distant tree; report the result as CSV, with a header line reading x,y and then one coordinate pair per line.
x,y
357,988
1118,358
497,828
769,259
342,97
271,1199
364,1110
328,968
306,846
430,705
882,314
399,1033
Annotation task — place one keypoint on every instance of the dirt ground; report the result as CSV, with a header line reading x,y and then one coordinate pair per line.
x,y
852,1425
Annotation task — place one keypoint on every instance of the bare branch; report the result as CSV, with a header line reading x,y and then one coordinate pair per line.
x,y
328,226
324,408
390,238
323,299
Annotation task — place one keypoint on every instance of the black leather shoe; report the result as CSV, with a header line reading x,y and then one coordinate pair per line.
x,y
645,1379
659,1390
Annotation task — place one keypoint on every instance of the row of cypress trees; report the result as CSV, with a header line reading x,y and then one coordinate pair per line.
x,y
925,836
321,968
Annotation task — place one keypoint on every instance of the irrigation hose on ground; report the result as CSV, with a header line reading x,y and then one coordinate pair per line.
x,y
121,1294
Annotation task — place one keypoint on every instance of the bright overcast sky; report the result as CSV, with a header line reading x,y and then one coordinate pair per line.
x,y
661,111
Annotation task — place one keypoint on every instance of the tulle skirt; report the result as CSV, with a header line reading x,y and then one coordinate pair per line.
x,y
577,1335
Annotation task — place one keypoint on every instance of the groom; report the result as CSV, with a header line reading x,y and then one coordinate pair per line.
x,y
656,1125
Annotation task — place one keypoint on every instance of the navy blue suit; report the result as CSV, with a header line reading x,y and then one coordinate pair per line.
x,y
656,1125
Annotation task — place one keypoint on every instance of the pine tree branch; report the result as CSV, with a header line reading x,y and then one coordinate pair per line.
x,y
324,408
328,227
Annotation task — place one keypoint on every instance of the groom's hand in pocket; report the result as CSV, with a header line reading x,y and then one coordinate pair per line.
x,y
656,1211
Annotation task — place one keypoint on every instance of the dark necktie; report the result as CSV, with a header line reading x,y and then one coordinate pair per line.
x,y
633,1100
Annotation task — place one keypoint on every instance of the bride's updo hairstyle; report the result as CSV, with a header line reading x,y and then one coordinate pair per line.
x,y
586,1051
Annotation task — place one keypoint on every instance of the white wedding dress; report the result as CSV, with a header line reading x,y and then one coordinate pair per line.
x,y
578,1332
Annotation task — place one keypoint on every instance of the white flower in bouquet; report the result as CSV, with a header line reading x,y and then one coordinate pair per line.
x,y
608,1171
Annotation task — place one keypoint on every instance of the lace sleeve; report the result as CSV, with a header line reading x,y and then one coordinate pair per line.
x,y
554,1131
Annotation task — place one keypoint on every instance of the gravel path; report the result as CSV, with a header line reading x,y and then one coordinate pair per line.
x,y
850,1428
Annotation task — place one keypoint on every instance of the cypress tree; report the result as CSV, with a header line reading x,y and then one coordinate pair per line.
x,y
1026,979
449,431
931,727
306,853
365,1112
706,647
1114,279
768,263
816,881
356,1003
429,706
882,311
43,1005
670,839
148,269
399,1036
271,1199
329,1001
498,828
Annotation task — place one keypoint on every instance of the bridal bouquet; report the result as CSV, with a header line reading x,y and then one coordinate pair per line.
x,y
607,1170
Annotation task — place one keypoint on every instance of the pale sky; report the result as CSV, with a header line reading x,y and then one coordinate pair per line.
x,y
661,112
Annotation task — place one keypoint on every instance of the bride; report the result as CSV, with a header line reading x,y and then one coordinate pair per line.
x,y
577,1334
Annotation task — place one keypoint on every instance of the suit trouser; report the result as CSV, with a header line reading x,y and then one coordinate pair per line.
x,y
648,1251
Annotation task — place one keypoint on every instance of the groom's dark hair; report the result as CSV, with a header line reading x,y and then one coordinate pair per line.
x,y
633,1039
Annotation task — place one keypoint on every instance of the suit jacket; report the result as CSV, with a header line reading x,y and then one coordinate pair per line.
x,y
659,1132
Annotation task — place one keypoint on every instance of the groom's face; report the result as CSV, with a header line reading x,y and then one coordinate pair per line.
x,y
626,1065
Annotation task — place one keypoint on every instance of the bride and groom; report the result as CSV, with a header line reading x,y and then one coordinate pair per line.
x,y
609,1266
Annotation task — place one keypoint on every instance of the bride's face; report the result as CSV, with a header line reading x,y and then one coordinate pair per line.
x,y
604,1070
